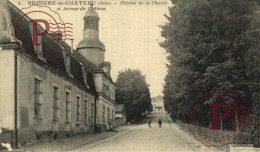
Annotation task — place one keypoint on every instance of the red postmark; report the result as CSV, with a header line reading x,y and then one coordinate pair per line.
x,y
39,32
215,110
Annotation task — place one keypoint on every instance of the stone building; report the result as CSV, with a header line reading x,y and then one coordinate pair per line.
x,y
120,116
93,50
158,104
41,99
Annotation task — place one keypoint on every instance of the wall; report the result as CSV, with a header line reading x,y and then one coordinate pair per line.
x,y
104,100
7,97
7,89
98,81
107,104
45,127
111,92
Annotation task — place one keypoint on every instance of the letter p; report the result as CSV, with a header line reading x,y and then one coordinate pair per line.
x,y
35,32
214,115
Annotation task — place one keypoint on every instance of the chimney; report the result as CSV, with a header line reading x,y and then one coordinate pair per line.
x,y
71,50
107,67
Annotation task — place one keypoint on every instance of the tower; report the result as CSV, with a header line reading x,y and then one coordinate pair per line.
x,y
91,47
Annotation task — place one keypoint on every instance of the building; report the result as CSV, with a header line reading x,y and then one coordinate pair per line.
x,y
120,116
158,104
91,49
48,99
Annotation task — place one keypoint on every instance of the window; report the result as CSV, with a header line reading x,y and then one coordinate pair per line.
x,y
56,103
107,88
67,106
85,74
87,23
38,47
85,111
114,94
67,63
104,111
91,23
78,109
94,25
108,114
92,111
104,87
37,96
110,93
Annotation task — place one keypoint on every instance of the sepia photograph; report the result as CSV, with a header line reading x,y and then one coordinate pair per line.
x,y
130,75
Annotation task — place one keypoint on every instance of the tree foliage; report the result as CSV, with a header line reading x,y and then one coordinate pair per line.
x,y
211,44
133,91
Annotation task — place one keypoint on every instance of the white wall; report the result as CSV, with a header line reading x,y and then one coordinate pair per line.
x,y
7,89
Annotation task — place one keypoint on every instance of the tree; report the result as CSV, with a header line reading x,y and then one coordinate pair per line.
x,y
211,44
133,91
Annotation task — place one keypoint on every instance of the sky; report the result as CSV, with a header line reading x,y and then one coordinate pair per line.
x,y
131,35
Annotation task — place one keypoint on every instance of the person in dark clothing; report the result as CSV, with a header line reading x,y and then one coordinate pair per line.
x,y
149,122
160,123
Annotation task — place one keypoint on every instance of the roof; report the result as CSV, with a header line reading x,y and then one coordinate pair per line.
x,y
91,13
85,43
84,61
91,39
56,58
120,107
57,62
106,64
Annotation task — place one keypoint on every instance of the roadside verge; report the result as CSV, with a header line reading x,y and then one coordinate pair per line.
x,y
188,136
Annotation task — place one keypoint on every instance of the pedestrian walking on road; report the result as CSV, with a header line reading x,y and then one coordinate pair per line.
x,y
160,123
149,122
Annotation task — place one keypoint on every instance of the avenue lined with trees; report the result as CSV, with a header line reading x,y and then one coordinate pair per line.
x,y
211,44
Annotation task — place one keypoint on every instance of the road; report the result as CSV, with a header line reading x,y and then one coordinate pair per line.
x,y
143,138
